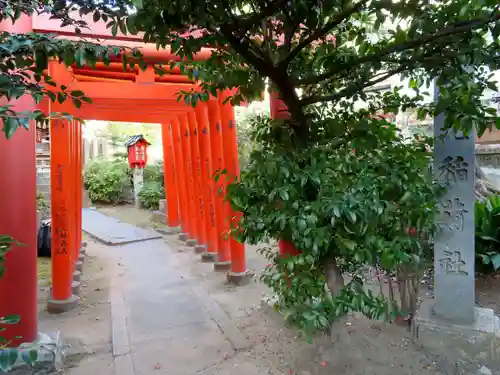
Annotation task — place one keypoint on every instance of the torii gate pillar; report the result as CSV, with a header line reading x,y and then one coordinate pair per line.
x,y
19,285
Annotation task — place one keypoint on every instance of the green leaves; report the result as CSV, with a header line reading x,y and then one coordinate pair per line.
x,y
487,218
354,207
8,358
10,319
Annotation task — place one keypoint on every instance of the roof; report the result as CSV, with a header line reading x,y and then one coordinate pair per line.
x,y
134,139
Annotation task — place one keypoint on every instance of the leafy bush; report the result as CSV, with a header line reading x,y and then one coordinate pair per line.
x,y
487,217
344,206
106,181
154,173
150,195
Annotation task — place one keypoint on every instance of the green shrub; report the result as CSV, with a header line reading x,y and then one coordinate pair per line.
x,y
150,195
344,205
154,173
106,181
487,217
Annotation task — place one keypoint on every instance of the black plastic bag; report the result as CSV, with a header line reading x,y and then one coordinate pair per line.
x,y
44,239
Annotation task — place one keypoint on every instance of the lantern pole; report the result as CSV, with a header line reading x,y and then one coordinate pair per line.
x,y
137,159
138,178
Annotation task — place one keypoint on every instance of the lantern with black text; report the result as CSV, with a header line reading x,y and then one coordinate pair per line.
x,y
137,151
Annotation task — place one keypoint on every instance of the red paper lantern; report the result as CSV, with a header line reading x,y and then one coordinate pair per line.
x,y
137,147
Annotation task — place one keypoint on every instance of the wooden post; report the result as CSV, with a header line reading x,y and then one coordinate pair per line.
x,y
19,285
207,182
188,172
279,111
182,179
238,273
170,180
61,196
199,202
219,187
74,196
79,185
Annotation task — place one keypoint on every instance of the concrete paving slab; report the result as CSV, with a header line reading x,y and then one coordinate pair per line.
x,y
162,321
101,364
111,231
181,358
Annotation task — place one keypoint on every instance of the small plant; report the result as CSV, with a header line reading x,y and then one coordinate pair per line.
x,y
487,217
10,356
150,195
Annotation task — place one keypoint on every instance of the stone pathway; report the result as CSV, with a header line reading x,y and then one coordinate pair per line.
x,y
162,321
111,231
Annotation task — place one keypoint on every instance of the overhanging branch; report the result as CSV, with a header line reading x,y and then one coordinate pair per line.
x,y
456,28
353,89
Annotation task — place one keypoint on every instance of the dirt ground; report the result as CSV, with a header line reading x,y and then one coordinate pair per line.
x,y
86,330
357,346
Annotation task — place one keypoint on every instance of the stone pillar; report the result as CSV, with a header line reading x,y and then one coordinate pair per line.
x,y
138,174
454,244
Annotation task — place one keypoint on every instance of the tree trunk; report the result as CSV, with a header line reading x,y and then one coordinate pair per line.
x,y
334,277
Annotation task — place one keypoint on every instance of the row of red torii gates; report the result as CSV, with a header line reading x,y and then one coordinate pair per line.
x,y
196,143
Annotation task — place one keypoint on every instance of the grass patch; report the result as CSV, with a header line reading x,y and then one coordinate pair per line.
x,y
44,271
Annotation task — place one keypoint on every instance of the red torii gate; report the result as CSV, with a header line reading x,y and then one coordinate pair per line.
x,y
196,142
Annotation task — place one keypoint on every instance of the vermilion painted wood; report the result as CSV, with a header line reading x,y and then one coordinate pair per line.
x,y
219,187
170,180
79,186
232,166
206,173
73,196
61,197
199,202
188,172
182,182
19,285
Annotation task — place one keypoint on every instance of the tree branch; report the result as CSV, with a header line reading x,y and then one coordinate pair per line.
x,y
352,89
245,48
248,21
321,32
451,30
